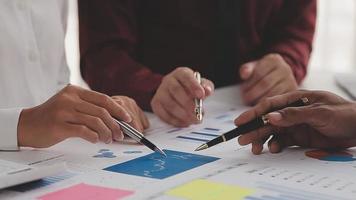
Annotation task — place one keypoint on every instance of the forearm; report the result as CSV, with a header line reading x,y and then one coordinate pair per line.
x,y
108,39
291,33
113,72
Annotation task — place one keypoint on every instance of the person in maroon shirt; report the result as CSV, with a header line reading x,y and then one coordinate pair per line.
x,y
148,50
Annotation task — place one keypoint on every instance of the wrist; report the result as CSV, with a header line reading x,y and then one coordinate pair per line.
x,y
24,128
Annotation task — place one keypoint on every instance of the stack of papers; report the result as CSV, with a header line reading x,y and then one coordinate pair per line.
x,y
12,173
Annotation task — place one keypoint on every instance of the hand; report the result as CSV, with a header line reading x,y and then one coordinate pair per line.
x,y
266,77
73,112
174,99
139,119
328,121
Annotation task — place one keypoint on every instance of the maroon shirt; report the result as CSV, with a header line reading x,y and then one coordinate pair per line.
x,y
127,46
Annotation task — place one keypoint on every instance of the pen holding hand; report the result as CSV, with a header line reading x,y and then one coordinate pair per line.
x,y
258,121
174,101
327,122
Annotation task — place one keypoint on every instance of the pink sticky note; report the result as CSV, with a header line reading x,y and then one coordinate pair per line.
x,y
87,192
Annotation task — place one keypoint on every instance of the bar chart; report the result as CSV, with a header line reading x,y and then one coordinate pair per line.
x,y
201,136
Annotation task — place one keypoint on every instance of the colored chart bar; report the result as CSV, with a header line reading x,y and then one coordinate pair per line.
x,y
42,183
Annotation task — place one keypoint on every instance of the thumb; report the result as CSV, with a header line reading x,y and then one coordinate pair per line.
x,y
246,70
291,116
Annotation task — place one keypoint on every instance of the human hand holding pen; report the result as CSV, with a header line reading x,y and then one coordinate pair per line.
x,y
139,119
328,121
174,99
73,112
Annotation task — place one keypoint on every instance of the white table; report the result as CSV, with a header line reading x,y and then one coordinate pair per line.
x,y
74,150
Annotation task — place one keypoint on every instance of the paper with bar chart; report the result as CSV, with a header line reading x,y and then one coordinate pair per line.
x,y
127,170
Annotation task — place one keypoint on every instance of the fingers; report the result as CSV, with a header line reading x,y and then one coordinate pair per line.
x,y
104,116
185,77
270,103
171,112
246,70
81,131
174,99
95,124
144,119
271,83
275,144
136,123
280,88
261,69
139,119
184,114
179,95
271,76
208,87
257,147
166,116
293,116
255,135
106,102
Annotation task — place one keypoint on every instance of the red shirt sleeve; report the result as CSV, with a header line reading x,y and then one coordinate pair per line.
x,y
291,34
108,36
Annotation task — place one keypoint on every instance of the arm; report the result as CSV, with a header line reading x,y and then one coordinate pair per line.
x,y
328,122
8,121
108,37
285,49
290,33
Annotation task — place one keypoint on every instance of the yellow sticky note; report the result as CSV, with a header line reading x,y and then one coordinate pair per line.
x,y
208,190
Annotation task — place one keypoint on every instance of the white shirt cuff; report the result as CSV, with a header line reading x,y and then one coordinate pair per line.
x,y
9,119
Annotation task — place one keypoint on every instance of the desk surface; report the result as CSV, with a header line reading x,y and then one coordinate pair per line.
x,y
322,80
129,170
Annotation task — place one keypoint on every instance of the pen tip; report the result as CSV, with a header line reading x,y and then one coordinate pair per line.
x,y
201,147
161,152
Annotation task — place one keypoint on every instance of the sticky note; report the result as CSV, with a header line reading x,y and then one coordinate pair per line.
x,y
87,192
208,190
157,166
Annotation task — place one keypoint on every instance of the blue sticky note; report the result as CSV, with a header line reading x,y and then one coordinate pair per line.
x,y
157,166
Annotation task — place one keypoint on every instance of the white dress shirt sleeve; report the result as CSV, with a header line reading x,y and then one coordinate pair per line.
x,y
9,119
63,79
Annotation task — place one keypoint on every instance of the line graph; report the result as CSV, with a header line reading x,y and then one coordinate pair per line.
x,y
155,166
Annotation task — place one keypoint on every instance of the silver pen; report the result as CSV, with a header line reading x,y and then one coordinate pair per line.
x,y
138,137
198,102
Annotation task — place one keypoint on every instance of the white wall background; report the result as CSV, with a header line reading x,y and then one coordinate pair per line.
x,y
335,41
334,44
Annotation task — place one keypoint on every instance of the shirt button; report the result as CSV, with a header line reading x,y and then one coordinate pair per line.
x,y
32,56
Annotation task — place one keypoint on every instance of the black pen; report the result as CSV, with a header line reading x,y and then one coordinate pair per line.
x,y
249,126
138,137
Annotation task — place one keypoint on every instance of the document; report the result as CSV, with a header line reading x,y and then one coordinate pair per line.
x,y
12,173
131,171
